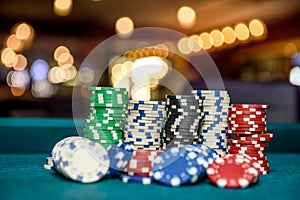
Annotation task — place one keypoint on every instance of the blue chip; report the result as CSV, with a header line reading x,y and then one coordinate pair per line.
x,y
119,155
177,166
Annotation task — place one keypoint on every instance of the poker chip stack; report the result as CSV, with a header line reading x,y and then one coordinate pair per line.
x,y
143,124
247,126
214,124
104,123
139,168
184,115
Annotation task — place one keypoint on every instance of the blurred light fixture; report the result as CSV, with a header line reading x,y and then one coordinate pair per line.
x,y
242,32
186,45
20,62
16,91
60,50
186,17
8,56
197,46
229,35
39,70
14,43
290,50
62,7
24,31
207,40
218,38
295,76
257,28
124,26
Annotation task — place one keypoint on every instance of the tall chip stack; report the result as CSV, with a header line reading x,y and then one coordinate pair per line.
x,y
214,124
104,123
184,115
247,130
143,124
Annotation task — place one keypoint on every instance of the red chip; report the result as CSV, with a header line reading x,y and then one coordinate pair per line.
x,y
261,106
241,132
232,171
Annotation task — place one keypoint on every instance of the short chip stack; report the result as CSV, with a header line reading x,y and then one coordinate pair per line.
x,y
247,126
214,124
107,112
143,124
139,168
184,115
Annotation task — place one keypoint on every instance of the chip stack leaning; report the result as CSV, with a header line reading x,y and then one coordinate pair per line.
x,y
143,124
247,126
214,124
184,115
139,168
107,113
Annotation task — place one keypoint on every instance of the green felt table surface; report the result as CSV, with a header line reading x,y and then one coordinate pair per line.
x,y
26,142
22,176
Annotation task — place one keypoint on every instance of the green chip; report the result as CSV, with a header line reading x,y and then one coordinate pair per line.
x,y
106,88
103,136
108,105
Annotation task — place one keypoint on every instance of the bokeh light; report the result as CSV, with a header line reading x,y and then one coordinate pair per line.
x,y
124,26
42,89
256,28
20,79
86,76
14,43
20,62
207,40
229,35
8,56
15,91
295,76
195,39
39,70
60,50
24,31
186,45
242,32
186,17
218,38
290,50
62,7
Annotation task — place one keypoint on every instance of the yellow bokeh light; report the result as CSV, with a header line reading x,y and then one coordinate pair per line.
x,y
62,7
8,56
186,45
14,43
124,26
60,50
242,32
24,31
20,62
195,39
256,28
229,35
186,17
116,71
218,38
126,68
141,92
16,91
207,40
290,50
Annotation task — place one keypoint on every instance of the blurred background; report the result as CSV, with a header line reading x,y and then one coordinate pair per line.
x,y
254,43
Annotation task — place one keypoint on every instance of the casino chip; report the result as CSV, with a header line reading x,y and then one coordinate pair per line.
x,y
119,155
233,171
214,124
141,162
143,124
247,126
80,159
105,121
179,166
184,115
